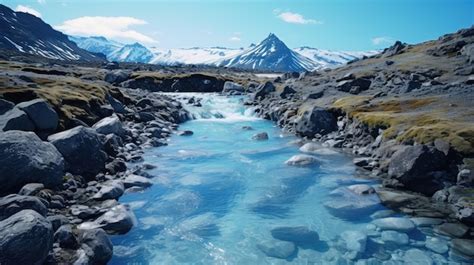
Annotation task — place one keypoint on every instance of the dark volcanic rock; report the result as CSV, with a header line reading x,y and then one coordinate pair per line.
x,y
264,90
24,158
25,238
287,92
315,120
411,166
97,246
82,150
43,116
11,204
16,119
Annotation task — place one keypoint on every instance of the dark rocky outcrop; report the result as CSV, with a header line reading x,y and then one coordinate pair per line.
x,y
16,119
82,149
41,114
315,120
412,166
24,158
25,238
12,204
96,246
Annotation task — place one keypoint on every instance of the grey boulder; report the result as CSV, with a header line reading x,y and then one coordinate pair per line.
x,y
109,125
315,120
43,116
16,119
25,238
96,246
5,106
118,220
264,90
24,158
13,203
232,87
81,147
136,181
110,190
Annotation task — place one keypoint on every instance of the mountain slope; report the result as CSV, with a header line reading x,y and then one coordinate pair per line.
x,y
331,59
271,55
131,53
96,44
25,33
194,55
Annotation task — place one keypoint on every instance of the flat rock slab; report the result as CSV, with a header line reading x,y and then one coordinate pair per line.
x,y
395,223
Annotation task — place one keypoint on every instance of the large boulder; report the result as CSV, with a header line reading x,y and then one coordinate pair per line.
x,y
25,238
315,120
264,90
412,165
5,106
24,158
82,150
43,116
349,85
13,203
16,119
286,92
117,77
109,125
96,245
110,190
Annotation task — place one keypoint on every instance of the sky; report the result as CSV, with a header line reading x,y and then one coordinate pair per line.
x,y
326,24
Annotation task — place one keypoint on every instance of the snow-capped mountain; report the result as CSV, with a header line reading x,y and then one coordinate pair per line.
x,y
132,53
271,54
331,59
194,55
26,33
96,44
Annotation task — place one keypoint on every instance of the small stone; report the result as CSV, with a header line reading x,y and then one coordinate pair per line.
x,y
416,256
277,249
260,136
395,223
361,189
464,246
437,245
184,133
394,237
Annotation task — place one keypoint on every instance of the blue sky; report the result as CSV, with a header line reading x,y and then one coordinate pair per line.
x,y
328,24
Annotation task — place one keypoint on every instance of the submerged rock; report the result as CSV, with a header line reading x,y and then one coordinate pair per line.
x,y
25,238
260,136
354,241
24,158
300,235
416,256
395,223
394,238
452,229
464,247
277,249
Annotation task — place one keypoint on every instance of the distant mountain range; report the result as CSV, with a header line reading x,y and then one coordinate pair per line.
x,y
271,54
26,33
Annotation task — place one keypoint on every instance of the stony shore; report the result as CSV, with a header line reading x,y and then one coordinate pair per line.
x,y
72,137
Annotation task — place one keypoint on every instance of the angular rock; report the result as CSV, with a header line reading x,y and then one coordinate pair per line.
x,y
65,237
302,160
300,235
411,166
13,203
287,92
25,238
16,119
110,190
315,120
81,147
264,90
185,133
136,181
97,246
5,106
109,125
43,116
232,87
277,249
31,189
24,159
395,223
118,220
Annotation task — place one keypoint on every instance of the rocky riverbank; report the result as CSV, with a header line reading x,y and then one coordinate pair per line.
x,y
406,116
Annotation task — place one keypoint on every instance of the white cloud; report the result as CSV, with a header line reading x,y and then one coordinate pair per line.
x,y
295,18
382,40
27,9
235,38
109,27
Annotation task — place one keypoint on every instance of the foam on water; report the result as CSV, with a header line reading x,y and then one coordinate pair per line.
x,y
218,193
